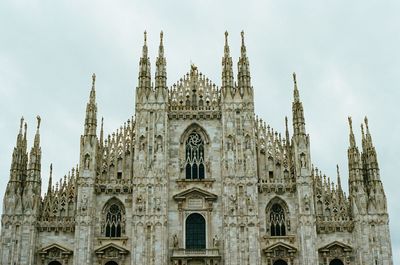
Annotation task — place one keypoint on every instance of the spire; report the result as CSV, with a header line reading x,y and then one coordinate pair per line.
x,y
18,169
37,135
101,131
227,71
49,187
287,131
91,111
351,137
144,68
296,95
338,179
161,72
244,71
297,111
370,160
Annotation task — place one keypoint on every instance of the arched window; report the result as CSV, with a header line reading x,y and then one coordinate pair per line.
x,y
194,156
280,262
336,262
111,263
195,232
54,263
277,220
114,221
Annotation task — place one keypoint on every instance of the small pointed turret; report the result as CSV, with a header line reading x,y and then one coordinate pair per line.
x,y
49,187
297,110
370,160
339,183
287,131
144,86
91,111
35,156
161,72
244,82
18,170
227,71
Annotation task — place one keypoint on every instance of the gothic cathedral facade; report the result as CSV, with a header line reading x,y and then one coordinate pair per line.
x,y
195,178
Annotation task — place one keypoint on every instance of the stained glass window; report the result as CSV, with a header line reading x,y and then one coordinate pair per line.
x,y
194,156
113,221
277,221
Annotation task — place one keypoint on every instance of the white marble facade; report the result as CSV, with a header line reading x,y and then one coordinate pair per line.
x,y
195,178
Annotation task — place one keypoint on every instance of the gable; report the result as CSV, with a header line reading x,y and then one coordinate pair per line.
x,y
336,244
55,248
280,245
195,192
111,248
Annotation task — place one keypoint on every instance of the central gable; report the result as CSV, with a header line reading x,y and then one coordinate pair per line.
x,y
194,92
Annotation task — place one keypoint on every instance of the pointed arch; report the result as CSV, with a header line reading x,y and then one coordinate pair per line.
x,y
278,218
113,213
194,142
194,127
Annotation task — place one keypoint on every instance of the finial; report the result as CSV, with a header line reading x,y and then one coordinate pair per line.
x,y
21,124
362,131
161,37
296,90
337,170
226,37
38,121
350,124
50,179
366,124
242,34
145,37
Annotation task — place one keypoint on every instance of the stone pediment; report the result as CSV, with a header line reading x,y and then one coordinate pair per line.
x,y
335,244
111,248
55,250
280,245
195,192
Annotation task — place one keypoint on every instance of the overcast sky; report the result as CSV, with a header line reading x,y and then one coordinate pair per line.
x,y
345,54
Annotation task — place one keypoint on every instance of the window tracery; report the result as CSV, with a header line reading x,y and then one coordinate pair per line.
x,y
194,157
114,220
277,220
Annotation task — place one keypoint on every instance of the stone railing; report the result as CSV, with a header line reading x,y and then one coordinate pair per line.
x,y
183,253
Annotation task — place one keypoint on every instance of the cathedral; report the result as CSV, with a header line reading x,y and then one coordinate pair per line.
x,y
195,178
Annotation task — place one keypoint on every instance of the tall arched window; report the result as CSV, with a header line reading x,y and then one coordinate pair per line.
x,y
336,262
277,220
195,231
114,219
280,262
194,156
54,263
111,263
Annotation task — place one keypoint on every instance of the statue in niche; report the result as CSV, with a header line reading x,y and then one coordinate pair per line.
x,y
233,205
87,161
175,241
84,202
303,160
159,147
140,202
215,241
306,203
